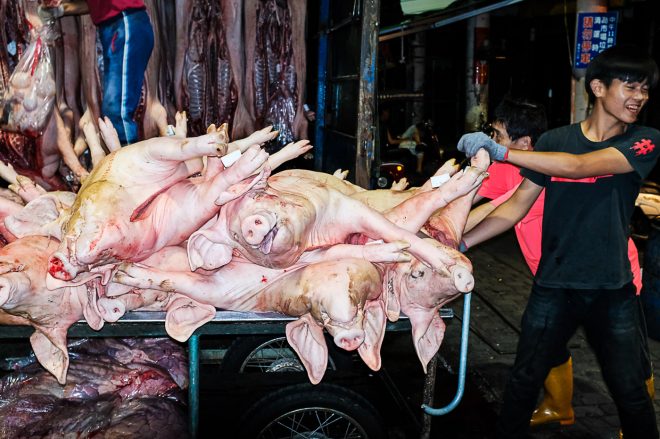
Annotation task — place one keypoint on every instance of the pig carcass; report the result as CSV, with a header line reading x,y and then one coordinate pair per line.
x,y
26,299
140,199
274,225
328,288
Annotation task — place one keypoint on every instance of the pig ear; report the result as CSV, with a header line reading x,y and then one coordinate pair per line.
x,y
391,299
205,252
241,188
374,331
34,216
428,330
49,346
91,309
306,338
185,315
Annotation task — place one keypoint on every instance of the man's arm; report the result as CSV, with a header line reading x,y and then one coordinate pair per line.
x,y
55,9
478,214
557,164
561,164
506,215
75,7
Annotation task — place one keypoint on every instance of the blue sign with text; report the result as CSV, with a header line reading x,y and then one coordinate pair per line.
x,y
595,32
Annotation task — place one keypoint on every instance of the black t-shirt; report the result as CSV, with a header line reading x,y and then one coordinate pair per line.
x,y
586,221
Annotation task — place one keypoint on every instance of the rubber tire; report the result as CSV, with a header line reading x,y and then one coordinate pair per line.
x,y
243,346
347,403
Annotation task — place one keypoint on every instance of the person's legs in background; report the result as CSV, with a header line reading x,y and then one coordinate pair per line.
x,y
127,44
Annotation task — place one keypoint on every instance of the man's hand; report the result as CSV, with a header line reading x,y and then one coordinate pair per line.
x,y
50,14
470,144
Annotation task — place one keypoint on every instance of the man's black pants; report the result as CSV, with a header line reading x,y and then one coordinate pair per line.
x,y
612,321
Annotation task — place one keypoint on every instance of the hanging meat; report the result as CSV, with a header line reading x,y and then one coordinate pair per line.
x,y
276,63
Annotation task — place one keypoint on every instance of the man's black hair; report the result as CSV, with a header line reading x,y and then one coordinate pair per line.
x,y
623,62
521,117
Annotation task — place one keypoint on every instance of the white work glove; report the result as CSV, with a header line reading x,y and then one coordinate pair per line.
x,y
50,14
471,143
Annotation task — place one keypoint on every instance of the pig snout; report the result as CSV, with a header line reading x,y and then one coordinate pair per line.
x,y
60,268
463,279
350,339
255,228
111,309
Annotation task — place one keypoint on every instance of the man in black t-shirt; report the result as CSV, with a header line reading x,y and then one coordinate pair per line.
x,y
591,172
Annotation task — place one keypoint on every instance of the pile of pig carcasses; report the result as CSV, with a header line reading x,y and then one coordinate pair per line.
x,y
237,61
171,224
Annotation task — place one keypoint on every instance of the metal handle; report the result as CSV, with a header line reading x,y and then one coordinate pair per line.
x,y
465,332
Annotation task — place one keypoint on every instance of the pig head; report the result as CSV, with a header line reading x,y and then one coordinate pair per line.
x,y
419,292
24,294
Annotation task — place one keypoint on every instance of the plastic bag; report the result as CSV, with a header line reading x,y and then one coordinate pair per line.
x,y
30,95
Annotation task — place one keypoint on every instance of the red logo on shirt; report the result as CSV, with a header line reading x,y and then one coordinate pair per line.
x,y
578,180
643,147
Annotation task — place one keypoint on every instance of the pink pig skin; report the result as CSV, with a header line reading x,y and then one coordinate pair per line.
x,y
43,215
274,226
23,295
140,199
330,294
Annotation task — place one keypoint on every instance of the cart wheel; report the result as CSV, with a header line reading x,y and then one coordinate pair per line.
x,y
272,354
320,412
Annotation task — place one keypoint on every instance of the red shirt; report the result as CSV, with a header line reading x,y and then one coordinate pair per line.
x,y
101,10
502,181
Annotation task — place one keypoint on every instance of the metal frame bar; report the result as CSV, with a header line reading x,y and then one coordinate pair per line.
x,y
366,130
427,24
321,87
151,324
465,333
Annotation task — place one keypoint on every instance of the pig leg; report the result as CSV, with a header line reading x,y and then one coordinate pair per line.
x,y
289,152
449,167
413,213
181,125
376,226
66,147
372,252
259,137
447,225
23,186
27,189
93,140
400,185
109,134
340,174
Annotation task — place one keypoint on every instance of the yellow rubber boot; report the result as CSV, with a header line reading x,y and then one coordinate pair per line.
x,y
557,400
650,387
